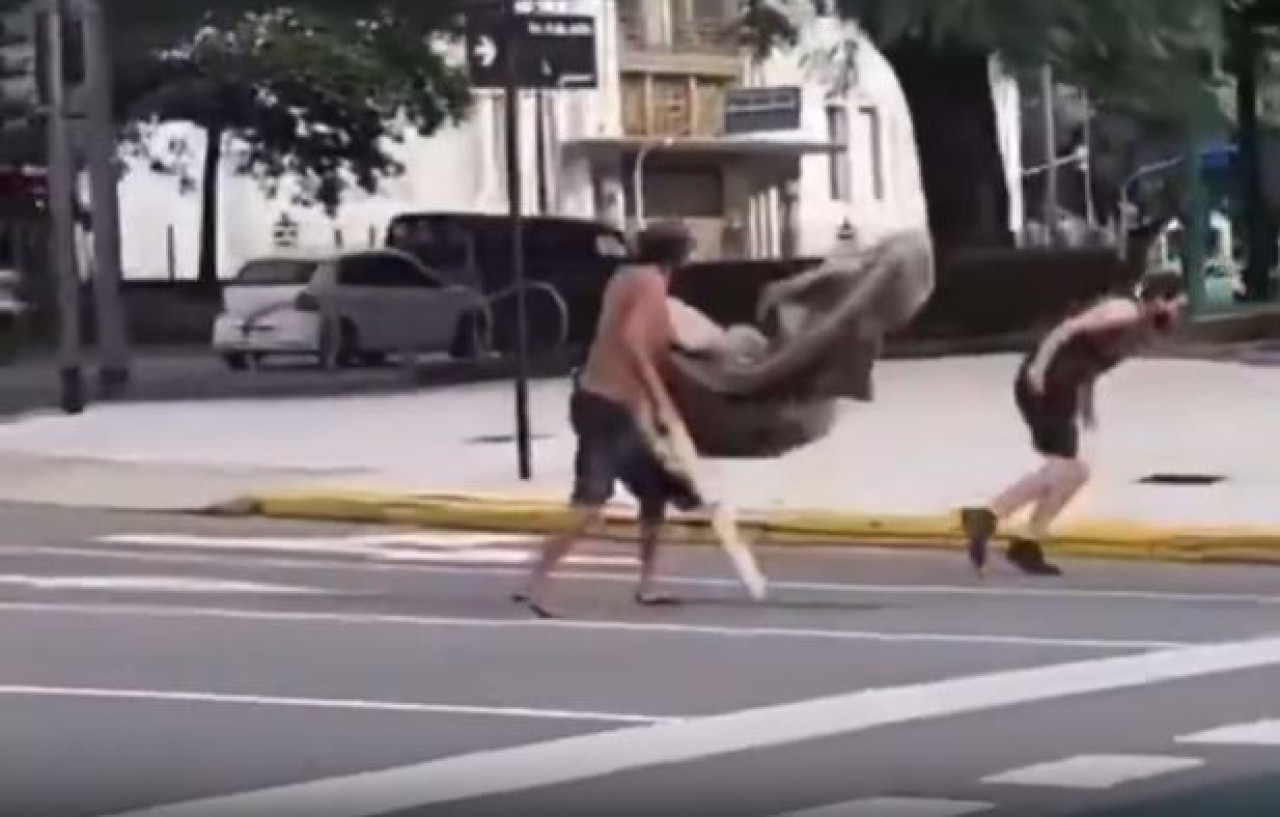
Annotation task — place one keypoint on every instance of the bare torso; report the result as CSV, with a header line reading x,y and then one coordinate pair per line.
x,y
610,370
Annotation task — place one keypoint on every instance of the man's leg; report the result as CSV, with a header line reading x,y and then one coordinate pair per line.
x,y
652,516
1067,477
585,518
1056,438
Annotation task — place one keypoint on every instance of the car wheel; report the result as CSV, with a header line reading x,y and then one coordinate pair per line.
x,y
236,361
468,338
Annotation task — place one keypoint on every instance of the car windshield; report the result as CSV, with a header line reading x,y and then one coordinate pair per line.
x,y
276,272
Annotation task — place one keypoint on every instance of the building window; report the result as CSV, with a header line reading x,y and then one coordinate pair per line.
x,y
875,148
838,134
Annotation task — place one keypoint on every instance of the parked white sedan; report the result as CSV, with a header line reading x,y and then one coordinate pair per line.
x,y
346,308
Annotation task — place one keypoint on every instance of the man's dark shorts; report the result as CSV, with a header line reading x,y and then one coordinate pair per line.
x,y
1051,418
612,448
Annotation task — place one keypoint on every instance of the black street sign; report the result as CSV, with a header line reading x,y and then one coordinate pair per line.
x,y
552,50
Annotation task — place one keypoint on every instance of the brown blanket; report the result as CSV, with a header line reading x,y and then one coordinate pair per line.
x,y
758,392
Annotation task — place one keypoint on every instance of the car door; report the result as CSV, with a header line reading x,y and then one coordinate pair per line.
x,y
362,297
426,310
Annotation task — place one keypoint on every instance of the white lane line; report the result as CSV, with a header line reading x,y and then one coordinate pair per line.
x,y
566,625
584,757
157,584
896,807
322,703
445,548
1094,771
1258,733
434,539
499,556
988,590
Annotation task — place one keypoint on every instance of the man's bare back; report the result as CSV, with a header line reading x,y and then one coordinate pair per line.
x,y
633,319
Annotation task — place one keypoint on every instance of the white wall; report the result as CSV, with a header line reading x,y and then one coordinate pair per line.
x,y
460,168
872,85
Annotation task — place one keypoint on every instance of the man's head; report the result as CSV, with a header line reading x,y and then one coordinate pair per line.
x,y
667,245
1163,296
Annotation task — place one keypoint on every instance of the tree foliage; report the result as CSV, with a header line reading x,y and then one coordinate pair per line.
x,y
301,98
315,95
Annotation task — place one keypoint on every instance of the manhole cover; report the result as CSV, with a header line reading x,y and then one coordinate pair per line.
x,y
1182,479
497,439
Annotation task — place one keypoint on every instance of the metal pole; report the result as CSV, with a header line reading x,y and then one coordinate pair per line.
x,y
514,196
113,343
540,115
1194,226
637,185
62,227
1050,155
1091,213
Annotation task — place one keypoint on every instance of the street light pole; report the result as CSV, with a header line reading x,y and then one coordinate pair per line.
x,y
515,184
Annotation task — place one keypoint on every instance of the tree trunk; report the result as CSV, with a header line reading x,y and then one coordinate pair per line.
x,y
210,177
954,116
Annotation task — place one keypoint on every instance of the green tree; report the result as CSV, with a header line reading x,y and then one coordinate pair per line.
x,y
318,100
1151,58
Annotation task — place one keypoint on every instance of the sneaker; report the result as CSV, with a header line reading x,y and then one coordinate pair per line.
x,y
1028,556
979,526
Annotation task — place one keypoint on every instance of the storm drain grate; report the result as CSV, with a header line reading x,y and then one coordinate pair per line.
x,y
1182,479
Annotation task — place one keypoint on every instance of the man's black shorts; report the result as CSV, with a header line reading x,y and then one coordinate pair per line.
x,y
612,448
1051,418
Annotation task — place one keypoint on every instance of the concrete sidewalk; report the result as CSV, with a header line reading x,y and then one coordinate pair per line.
x,y
943,433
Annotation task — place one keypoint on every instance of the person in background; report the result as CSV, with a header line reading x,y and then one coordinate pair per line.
x,y
1054,391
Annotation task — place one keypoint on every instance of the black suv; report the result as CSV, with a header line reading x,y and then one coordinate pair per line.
x,y
575,257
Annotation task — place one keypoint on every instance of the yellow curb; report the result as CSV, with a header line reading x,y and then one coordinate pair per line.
x,y
1104,539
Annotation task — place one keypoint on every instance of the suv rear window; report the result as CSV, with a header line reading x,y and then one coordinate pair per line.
x,y
276,272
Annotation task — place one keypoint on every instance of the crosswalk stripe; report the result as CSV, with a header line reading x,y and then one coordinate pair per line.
x,y
1258,733
155,584
896,807
436,547
434,539
1093,771
500,556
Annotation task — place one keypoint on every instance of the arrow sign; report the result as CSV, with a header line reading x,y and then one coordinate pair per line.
x,y
551,50
485,51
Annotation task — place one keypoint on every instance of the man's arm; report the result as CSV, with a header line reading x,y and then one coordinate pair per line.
x,y
1109,314
647,320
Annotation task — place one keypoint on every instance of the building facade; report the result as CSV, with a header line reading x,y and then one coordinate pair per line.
x,y
763,158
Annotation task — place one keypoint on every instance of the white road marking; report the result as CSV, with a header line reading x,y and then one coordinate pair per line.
x,y
1259,733
896,807
590,756
499,556
988,590
323,703
437,547
568,625
156,584
1093,771
434,539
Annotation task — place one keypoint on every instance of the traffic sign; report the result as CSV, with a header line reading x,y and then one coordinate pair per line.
x,y
552,50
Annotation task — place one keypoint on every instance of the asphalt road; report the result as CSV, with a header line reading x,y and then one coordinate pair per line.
x,y
200,667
